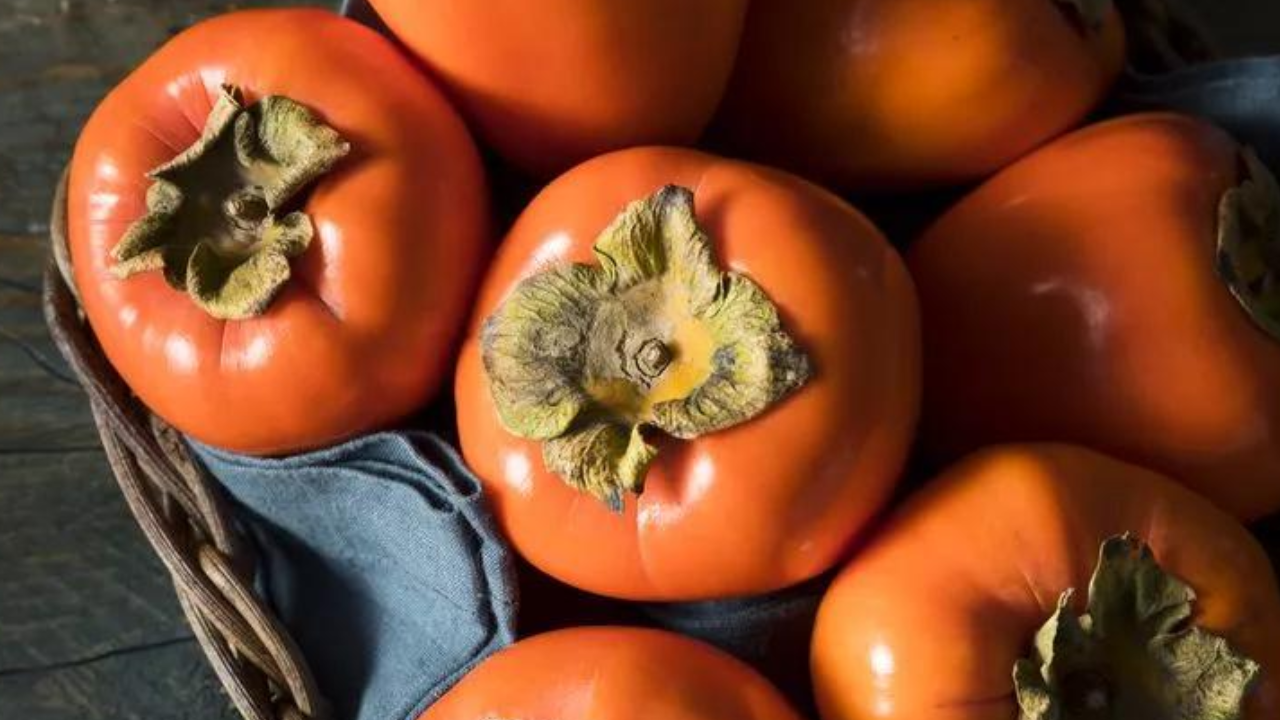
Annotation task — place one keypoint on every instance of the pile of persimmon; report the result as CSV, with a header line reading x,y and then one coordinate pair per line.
x,y
681,375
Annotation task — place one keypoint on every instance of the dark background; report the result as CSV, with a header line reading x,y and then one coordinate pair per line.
x,y
88,624
1241,27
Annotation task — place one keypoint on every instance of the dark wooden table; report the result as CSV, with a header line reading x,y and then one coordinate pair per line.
x,y
89,627
88,624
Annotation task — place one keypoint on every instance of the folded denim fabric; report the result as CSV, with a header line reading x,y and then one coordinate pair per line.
x,y
770,632
382,559
1242,96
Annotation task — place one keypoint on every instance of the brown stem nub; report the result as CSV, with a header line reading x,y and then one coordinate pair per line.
x,y
247,207
653,358
216,223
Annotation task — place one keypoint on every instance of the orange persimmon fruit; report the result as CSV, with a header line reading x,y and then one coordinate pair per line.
x,y
611,673
688,377
873,95
1115,289
260,234
553,84
966,583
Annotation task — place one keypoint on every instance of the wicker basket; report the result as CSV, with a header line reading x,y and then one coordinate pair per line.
x,y
184,516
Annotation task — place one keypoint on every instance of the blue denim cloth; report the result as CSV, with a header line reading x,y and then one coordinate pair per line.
x,y
382,559
1242,96
770,632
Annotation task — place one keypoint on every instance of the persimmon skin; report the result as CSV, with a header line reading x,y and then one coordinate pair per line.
x,y
927,622
611,673
874,95
556,85
363,333
756,507
1074,297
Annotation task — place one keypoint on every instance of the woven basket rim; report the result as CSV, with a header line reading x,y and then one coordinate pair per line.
x,y
183,515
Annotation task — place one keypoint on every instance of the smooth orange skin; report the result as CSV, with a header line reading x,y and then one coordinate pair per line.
x,y
1074,297
556,83
759,506
364,331
927,622
611,673
900,94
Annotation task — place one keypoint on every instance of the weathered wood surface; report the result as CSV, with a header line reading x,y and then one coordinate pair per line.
x,y
88,624
89,627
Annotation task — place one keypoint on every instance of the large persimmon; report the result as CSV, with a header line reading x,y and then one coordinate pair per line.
x,y
1049,582
259,233
611,673
688,377
874,95
556,82
1117,289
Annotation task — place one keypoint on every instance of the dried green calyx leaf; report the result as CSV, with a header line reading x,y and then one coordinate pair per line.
x,y
1090,14
1133,654
1248,256
586,358
216,223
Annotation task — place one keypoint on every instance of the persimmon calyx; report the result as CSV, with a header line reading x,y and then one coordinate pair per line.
x,y
587,358
1091,14
1248,256
216,223
1133,653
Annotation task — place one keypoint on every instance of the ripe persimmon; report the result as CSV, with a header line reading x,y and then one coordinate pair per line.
x,y
688,377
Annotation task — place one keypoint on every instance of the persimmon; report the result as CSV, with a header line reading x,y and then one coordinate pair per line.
x,y
258,232
1116,289
874,95
1048,581
611,673
556,84
688,377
